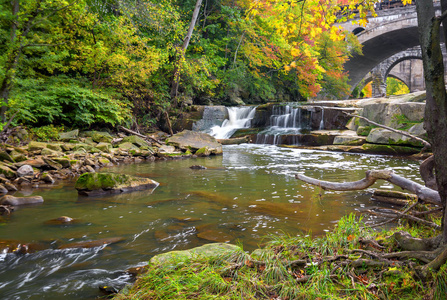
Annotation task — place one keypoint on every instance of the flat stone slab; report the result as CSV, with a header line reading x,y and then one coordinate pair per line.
x,y
97,184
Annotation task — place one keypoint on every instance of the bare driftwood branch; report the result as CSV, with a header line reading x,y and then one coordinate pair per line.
x,y
424,142
395,218
424,193
138,134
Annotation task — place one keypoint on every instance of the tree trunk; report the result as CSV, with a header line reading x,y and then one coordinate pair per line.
x,y
436,104
181,55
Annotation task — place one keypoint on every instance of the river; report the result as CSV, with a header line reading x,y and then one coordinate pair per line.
x,y
242,197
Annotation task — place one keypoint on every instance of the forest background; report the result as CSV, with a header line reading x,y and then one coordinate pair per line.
x,y
91,63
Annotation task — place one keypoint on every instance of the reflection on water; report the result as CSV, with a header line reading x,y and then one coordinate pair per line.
x,y
244,195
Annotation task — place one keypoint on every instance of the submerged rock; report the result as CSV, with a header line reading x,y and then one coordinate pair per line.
x,y
11,200
63,220
94,184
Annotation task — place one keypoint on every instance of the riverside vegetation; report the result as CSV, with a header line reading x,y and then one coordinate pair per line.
x,y
350,262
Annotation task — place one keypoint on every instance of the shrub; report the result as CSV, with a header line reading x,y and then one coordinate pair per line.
x,y
61,100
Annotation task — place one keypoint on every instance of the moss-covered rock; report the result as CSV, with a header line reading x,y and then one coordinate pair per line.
x,y
55,147
128,146
7,171
363,130
136,140
205,151
18,156
64,162
94,184
101,137
35,146
389,149
49,152
104,147
4,156
206,252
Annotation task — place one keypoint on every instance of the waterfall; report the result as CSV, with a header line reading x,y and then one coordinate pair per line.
x,y
322,119
238,117
284,121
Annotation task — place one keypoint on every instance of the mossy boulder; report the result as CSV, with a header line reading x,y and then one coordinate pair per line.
x,y
136,140
49,152
206,252
389,149
36,146
101,137
363,130
384,136
104,147
64,162
95,184
205,151
18,156
128,146
7,171
55,147
4,156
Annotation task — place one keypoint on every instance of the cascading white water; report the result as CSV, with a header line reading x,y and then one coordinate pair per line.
x,y
238,117
322,119
285,120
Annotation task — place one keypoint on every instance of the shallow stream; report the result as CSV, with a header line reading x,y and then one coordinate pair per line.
x,y
242,197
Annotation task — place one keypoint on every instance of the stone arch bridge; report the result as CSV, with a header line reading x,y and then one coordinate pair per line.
x,y
388,39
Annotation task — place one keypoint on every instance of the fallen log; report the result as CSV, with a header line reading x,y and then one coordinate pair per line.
x,y
424,193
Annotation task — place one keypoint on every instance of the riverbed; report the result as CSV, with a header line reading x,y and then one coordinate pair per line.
x,y
241,197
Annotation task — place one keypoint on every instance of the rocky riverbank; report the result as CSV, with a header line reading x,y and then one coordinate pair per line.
x,y
74,153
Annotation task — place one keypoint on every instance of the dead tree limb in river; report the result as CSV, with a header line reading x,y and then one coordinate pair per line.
x,y
424,193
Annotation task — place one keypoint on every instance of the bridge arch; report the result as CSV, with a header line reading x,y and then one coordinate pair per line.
x,y
392,31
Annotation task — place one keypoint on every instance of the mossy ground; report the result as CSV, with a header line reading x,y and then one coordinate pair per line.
x,y
299,267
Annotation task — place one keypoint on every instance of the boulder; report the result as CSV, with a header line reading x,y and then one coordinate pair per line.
x,y
18,156
193,141
393,114
7,171
49,152
136,140
3,190
67,136
51,164
4,156
207,251
94,184
55,147
128,146
25,170
349,140
36,146
384,136
101,137
45,177
14,201
104,147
